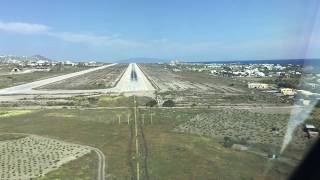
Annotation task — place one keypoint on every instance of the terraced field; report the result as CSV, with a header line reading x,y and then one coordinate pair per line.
x,y
35,156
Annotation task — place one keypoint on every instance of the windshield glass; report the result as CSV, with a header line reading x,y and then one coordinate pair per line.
x,y
158,90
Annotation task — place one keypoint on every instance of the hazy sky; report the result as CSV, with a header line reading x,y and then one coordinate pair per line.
x,y
185,29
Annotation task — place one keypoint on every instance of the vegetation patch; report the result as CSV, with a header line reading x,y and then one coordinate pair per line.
x,y
113,101
60,115
11,113
244,126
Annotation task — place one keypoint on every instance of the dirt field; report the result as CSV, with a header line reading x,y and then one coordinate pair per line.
x,y
188,88
100,79
17,79
35,156
6,68
166,80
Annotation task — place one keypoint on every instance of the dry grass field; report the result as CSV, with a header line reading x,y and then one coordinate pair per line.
x,y
188,88
17,79
247,128
165,152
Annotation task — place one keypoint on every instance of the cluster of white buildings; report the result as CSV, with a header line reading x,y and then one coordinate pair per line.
x,y
24,64
256,70
242,70
46,63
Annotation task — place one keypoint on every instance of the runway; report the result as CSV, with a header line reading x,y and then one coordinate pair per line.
x,y
132,84
126,84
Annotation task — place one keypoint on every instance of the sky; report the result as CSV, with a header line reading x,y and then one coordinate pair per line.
x,y
188,30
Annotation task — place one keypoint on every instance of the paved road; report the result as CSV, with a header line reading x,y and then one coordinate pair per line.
x,y
101,156
125,84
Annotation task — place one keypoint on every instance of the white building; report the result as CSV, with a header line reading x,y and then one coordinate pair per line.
x,y
258,86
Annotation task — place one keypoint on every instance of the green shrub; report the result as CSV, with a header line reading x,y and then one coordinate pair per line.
x,y
228,142
152,103
168,103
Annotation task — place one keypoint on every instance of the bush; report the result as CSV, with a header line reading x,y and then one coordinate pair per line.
x,y
152,103
93,100
288,83
168,103
227,142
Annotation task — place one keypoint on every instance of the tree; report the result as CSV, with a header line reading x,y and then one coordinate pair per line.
x,y
152,103
168,103
227,142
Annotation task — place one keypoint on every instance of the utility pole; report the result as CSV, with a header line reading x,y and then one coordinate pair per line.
x,y
151,118
150,115
119,119
128,118
142,118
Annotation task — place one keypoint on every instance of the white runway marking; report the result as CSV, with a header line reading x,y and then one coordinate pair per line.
x,y
129,84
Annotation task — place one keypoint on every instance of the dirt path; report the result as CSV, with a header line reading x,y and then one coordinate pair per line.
x,y
144,151
102,164
130,157
137,157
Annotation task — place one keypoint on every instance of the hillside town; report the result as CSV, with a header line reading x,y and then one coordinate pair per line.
x,y
28,64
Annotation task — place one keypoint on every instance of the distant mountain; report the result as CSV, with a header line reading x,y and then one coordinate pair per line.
x,y
18,59
40,57
142,60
